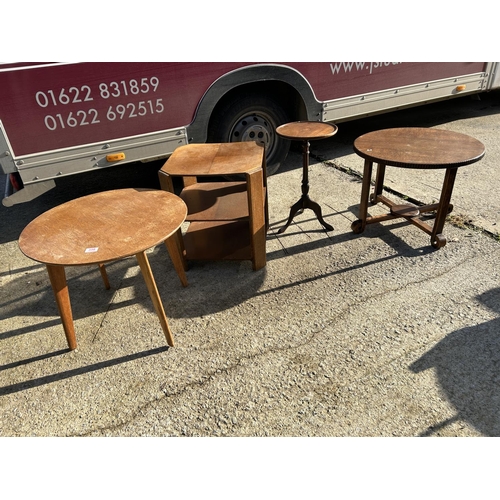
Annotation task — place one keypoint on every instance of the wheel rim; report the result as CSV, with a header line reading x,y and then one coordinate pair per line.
x,y
254,127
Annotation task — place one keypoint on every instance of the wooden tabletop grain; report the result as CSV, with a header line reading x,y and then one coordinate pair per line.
x,y
102,227
306,131
415,147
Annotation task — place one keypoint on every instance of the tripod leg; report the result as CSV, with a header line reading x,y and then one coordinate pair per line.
x,y
293,212
315,207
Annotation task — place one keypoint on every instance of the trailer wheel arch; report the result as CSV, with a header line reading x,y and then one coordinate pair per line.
x,y
266,94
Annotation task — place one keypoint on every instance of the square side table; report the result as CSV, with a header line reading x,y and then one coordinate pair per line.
x,y
228,220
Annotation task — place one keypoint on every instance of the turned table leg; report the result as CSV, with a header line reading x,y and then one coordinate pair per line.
x,y
305,202
379,183
358,226
437,238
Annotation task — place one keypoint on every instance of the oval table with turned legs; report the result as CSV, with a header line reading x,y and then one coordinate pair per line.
x,y
415,148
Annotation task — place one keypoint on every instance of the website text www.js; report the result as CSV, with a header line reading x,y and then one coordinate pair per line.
x,y
348,67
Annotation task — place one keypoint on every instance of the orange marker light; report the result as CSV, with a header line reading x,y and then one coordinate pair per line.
x,y
115,157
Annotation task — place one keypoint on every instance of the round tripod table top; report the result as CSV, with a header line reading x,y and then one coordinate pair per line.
x,y
306,131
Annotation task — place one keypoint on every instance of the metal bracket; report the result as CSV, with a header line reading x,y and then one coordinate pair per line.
x,y
28,193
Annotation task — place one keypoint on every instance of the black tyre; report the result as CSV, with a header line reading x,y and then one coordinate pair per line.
x,y
252,118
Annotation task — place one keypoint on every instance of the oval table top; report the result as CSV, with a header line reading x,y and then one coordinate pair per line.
x,y
415,147
102,227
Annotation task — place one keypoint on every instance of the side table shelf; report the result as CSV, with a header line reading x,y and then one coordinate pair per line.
x,y
216,201
228,220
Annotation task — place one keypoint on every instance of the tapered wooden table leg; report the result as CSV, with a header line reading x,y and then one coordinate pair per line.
x,y
143,261
104,275
57,277
175,249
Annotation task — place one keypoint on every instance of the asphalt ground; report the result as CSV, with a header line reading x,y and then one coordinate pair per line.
x,y
340,335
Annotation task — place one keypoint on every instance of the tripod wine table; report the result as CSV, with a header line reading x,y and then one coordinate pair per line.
x,y
306,131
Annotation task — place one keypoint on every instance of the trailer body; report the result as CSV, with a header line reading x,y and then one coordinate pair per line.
x,y
59,119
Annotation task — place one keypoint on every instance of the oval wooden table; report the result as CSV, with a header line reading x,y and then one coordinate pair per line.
x,y
306,131
416,148
104,227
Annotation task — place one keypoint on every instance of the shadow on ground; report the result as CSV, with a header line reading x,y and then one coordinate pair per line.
x,y
467,365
